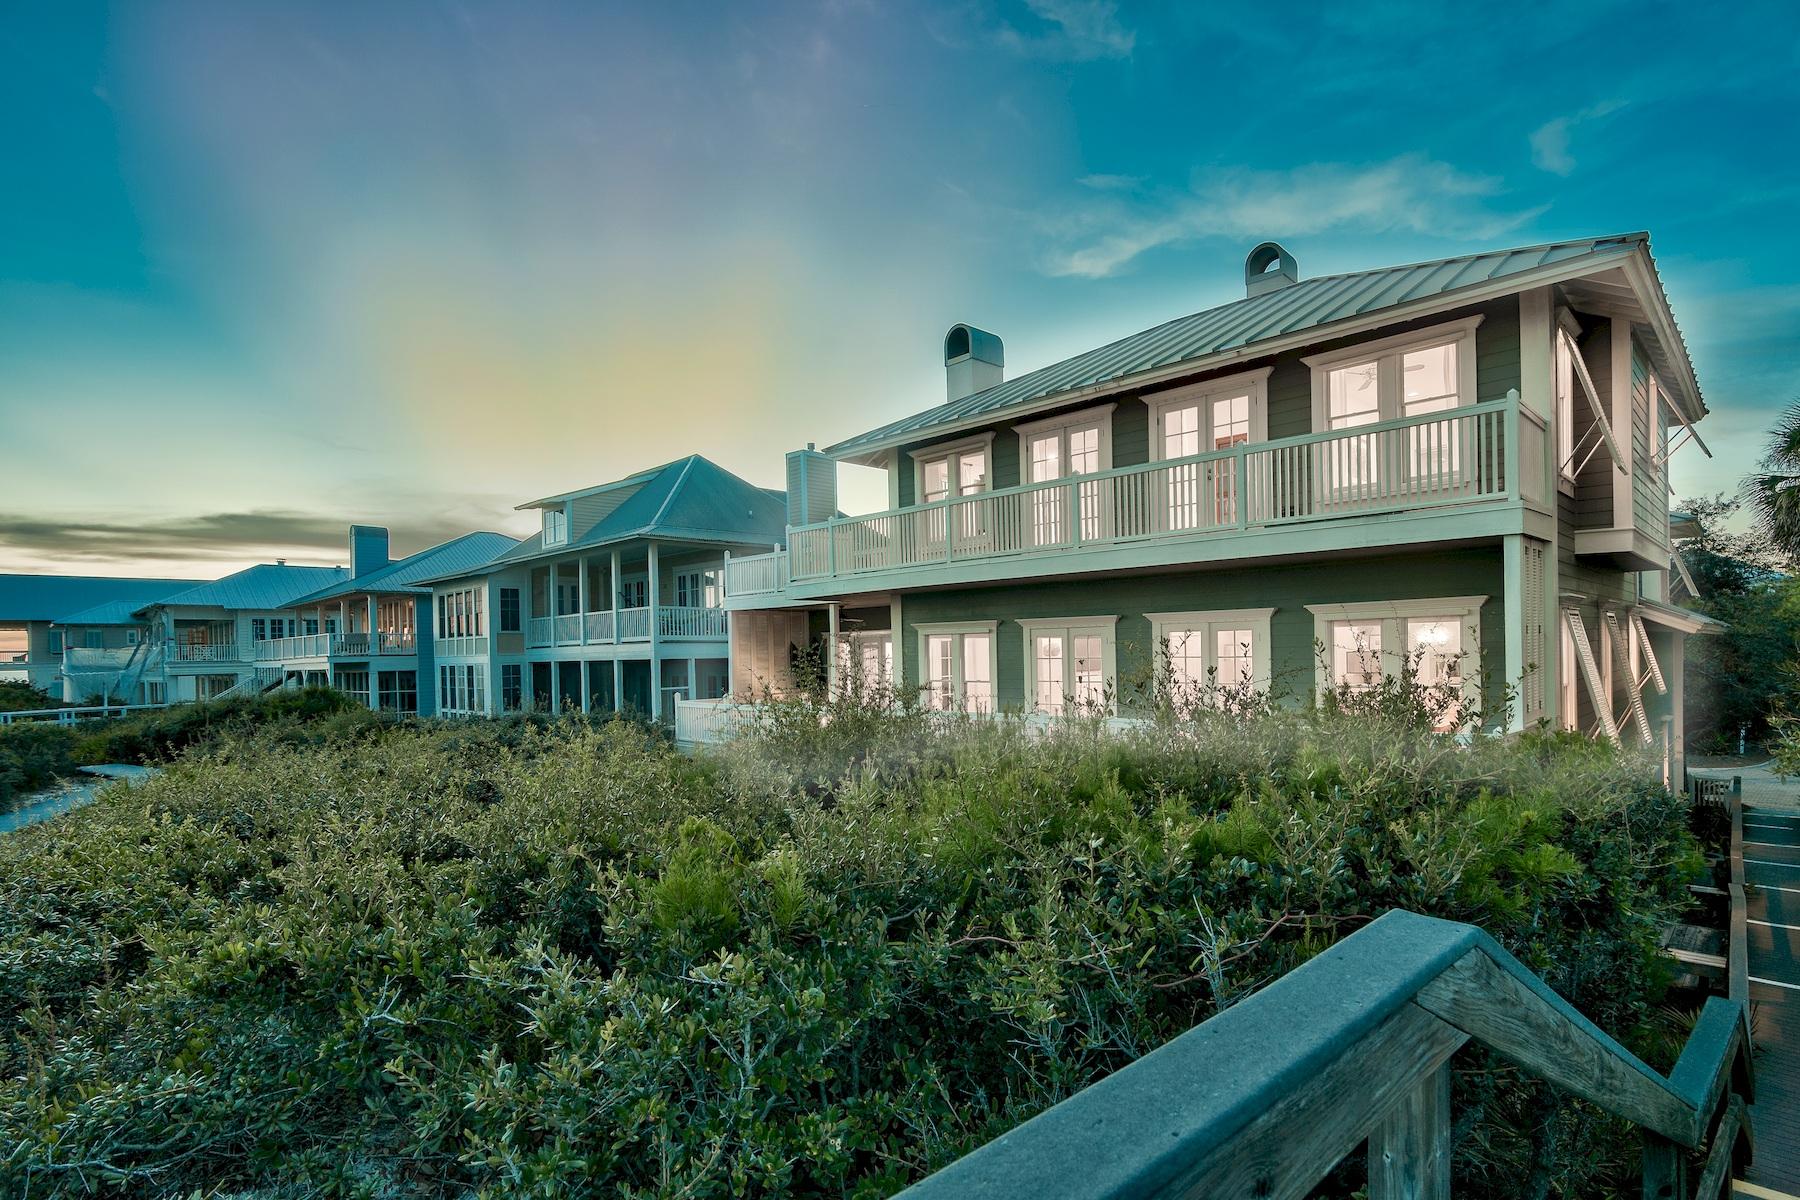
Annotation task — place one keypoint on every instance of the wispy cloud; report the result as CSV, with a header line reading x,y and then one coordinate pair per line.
x,y
1070,31
1550,141
229,539
1411,193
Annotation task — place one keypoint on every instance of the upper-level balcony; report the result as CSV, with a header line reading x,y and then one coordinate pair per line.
x,y
1466,472
614,626
336,645
207,652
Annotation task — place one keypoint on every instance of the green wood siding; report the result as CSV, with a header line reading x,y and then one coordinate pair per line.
x,y
1649,482
1287,588
1594,485
1289,387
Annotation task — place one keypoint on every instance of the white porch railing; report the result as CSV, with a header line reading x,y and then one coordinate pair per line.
x,y
306,645
206,652
706,722
68,716
1463,456
626,625
673,622
634,624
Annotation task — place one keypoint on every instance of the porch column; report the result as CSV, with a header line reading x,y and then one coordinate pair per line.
x,y
654,570
581,604
555,681
618,665
587,692
1513,558
831,651
612,585
693,685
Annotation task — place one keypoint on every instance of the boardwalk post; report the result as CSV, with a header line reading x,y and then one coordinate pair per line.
x,y
1409,1152
1665,1169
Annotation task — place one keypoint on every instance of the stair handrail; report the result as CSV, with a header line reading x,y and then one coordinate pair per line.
x,y
1353,1046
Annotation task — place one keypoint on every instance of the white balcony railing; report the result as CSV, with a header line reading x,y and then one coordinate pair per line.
x,y
205,652
625,625
634,624
674,622
1468,455
335,645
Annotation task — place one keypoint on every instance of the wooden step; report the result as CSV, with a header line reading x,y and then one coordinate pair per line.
x,y
1751,1191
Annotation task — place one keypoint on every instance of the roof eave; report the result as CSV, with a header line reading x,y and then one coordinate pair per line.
x,y
874,453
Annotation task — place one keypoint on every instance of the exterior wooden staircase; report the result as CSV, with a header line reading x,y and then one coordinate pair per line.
x,y
1352,1050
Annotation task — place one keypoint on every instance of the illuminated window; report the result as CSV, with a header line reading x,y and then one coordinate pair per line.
x,y
958,666
1440,638
1070,664
1206,418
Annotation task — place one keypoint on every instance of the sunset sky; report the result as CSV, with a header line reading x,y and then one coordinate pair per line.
x,y
269,269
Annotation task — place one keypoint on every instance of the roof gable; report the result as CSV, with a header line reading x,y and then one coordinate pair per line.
x,y
408,576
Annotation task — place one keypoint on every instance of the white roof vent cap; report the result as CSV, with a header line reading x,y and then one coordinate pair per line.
x,y
1268,269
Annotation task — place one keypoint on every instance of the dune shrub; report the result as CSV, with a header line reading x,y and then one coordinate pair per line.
x,y
560,959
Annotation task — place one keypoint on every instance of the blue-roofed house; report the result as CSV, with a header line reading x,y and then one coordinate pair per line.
x,y
205,636
1462,462
615,603
35,634
371,634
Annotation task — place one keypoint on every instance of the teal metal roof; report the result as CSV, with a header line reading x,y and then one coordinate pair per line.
x,y
407,575
264,586
113,612
1307,304
54,597
692,499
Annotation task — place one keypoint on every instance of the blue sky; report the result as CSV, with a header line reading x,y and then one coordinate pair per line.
x,y
266,270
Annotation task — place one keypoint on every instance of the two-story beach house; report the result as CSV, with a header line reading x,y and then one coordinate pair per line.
x,y
206,636
370,634
617,603
73,635
1460,463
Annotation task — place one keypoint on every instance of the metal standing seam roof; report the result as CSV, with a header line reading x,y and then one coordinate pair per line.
x,y
406,576
692,499
54,597
262,587
1307,304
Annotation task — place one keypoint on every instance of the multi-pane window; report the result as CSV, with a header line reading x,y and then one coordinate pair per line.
x,y
512,687
398,691
1204,419
94,639
1204,651
867,658
949,473
556,526
695,589
634,593
959,668
462,688
509,610
1413,375
1069,665
459,613
1070,446
1437,639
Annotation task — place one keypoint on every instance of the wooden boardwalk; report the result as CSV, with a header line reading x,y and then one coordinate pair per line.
x,y
1772,871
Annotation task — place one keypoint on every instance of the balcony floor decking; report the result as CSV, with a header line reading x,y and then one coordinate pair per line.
x,y
1772,869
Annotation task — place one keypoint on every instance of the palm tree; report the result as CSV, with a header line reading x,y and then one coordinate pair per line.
x,y
1773,492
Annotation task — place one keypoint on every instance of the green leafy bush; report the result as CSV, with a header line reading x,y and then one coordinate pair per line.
x,y
512,959
32,755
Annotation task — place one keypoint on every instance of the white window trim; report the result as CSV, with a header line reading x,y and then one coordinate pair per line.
x,y
1256,620
952,449
1392,614
1099,416
958,676
1254,382
563,535
1105,626
1462,332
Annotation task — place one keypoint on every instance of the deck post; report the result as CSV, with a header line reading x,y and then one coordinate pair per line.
x,y
1513,615
1665,1169
1409,1151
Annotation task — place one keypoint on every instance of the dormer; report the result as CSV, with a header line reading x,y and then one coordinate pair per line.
x,y
556,526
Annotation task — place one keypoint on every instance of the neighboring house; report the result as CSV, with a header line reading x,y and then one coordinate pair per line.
x,y
34,610
1462,461
207,635
616,604
370,634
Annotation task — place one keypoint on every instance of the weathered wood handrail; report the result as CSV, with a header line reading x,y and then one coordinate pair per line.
x,y
1352,1047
